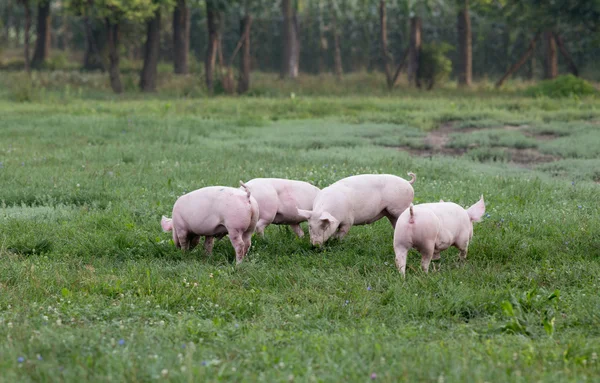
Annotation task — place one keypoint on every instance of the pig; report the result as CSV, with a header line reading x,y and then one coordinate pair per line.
x,y
214,211
433,227
279,200
357,200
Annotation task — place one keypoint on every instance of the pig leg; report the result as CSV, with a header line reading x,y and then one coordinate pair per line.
x,y
342,231
436,256
208,244
297,229
194,240
463,251
426,256
182,236
247,238
401,253
235,236
392,214
266,216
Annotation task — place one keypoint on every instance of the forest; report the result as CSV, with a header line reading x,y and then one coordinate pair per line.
x,y
420,43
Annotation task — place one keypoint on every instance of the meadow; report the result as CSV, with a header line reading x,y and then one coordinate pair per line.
x,y
91,289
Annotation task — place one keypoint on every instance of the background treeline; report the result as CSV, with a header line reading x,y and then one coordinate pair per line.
x,y
422,42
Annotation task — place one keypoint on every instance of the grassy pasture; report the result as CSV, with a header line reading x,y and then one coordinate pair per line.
x,y
91,289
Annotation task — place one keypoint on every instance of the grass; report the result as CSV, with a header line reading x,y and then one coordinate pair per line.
x,y
92,289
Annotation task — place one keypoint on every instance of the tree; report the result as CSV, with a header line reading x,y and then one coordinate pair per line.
x,y
465,54
551,59
291,44
388,60
337,52
114,13
213,22
149,72
42,42
95,41
181,37
27,8
244,77
414,50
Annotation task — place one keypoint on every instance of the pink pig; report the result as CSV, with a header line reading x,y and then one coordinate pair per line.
x,y
211,212
279,200
357,200
434,227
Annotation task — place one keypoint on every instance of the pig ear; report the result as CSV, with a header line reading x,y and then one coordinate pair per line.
x,y
476,211
306,214
326,217
166,223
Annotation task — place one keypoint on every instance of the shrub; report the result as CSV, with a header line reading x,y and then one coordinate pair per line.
x,y
434,66
562,86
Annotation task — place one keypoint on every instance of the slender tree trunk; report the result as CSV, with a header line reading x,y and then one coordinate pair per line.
x,y
65,33
519,63
181,37
291,46
7,18
551,59
42,42
465,54
531,69
92,58
244,78
322,66
337,52
566,55
387,59
17,24
151,48
113,56
214,26
414,50
27,33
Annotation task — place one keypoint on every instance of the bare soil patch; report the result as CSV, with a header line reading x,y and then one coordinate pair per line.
x,y
437,141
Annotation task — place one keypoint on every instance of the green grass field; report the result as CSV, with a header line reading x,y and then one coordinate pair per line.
x,y
91,289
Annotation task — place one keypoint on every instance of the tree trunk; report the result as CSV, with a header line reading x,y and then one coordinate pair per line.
x,y
17,24
181,37
244,78
149,71
322,65
214,26
92,59
566,55
519,63
7,18
551,59
42,42
113,56
291,46
337,52
465,54
387,59
27,32
414,50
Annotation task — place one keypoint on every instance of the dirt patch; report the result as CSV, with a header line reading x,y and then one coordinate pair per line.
x,y
529,156
436,144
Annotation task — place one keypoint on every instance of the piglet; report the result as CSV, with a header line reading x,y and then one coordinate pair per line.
x,y
279,200
434,227
357,200
211,212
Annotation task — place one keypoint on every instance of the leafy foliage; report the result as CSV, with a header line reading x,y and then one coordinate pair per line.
x,y
434,65
562,86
